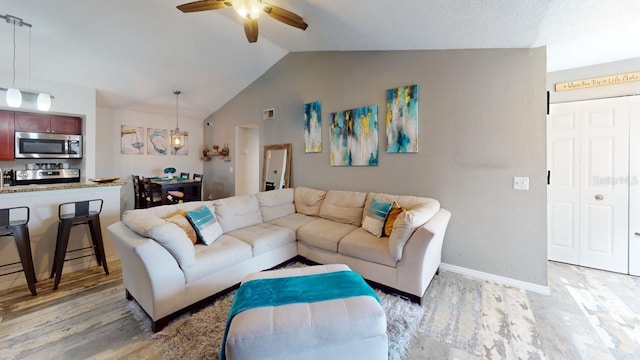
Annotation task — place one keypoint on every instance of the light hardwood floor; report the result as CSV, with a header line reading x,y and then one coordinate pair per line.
x,y
590,314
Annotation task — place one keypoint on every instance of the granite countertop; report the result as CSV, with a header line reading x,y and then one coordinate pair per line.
x,y
46,187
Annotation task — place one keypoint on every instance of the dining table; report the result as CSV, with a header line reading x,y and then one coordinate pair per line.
x,y
191,188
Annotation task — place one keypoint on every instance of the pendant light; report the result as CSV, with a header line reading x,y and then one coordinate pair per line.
x,y
177,136
14,96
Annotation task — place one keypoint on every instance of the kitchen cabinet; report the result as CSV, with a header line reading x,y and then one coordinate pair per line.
x,y
48,123
7,139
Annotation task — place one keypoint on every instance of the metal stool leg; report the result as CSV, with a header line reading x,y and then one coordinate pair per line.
x,y
23,243
61,248
96,236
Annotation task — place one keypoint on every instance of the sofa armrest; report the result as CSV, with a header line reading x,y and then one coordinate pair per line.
x,y
422,255
149,272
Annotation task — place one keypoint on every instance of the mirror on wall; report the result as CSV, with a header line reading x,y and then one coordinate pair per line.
x,y
276,167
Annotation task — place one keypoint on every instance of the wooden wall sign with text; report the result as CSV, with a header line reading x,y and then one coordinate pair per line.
x,y
600,81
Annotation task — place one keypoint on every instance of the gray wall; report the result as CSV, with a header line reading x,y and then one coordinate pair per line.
x,y
482,122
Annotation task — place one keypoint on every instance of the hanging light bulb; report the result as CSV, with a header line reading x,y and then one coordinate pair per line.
x,y
14,98
44,102
248,9
177,136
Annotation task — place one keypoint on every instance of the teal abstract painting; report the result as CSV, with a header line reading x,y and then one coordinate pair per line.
x,y
354,137
312,127
402,119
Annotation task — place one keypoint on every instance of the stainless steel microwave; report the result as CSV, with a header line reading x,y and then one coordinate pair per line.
x,y
32,145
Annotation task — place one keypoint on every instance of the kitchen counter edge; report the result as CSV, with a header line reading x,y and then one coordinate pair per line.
x,y
48,187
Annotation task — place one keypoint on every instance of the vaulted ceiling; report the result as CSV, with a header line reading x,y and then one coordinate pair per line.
x,y
136,52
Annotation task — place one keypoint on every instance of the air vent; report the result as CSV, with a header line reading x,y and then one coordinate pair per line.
x,y
268,114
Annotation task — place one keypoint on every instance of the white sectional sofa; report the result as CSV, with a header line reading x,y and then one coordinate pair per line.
x,y
166,273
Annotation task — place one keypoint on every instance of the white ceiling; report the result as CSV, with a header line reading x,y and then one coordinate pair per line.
x,y
136,52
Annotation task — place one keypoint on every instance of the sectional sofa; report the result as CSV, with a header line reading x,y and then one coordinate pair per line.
x,y
166,272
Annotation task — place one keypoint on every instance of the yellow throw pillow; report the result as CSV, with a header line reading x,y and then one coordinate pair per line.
x,y
180,220
396,209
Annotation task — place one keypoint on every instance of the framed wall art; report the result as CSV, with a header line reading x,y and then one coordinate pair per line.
x,y
402,119
157,141
354,137
312,127
132,139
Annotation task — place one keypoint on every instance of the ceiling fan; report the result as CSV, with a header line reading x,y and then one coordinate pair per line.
x,y
249,10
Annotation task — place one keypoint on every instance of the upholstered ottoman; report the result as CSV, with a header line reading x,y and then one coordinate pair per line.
x,y
353,327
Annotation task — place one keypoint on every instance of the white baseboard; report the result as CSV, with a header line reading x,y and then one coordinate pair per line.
x,y
540,289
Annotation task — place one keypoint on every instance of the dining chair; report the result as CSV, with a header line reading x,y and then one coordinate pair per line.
x,y
139,196
197,176
184,175
153,193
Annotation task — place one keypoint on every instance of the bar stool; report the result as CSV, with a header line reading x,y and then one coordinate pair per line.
x,y
20,232
82,214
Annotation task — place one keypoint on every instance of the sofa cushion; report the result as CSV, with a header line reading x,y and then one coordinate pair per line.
x,y
293,221
205,223
324,234
363,245
175,240
264,237
222,254
308,201
141,221
343,206
275,204
407,222
238,212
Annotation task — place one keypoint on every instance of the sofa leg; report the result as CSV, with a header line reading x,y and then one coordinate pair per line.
x,y
438,271
127,295
159,324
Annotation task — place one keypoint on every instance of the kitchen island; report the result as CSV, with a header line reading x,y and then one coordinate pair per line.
x,y
43,201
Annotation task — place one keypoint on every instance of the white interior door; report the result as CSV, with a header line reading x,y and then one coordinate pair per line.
x,y
588,195
563,192
634,187
604,200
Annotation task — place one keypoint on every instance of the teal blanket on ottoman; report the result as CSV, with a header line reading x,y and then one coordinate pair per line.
x,y
296,289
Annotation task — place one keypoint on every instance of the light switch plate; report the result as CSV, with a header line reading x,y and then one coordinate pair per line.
x,y
520,183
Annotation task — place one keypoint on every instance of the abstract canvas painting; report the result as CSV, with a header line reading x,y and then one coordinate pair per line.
x,y
183,150
131,139
354,137
157,141
402,119
312,127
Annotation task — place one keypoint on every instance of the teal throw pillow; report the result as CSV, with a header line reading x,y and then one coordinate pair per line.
x,y
207,226
376,216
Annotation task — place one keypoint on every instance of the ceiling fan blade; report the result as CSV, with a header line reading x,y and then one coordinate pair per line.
x,y
251,29
203,5
285,16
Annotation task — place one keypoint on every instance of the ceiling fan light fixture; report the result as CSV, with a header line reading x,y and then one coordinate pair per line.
x,y
248,9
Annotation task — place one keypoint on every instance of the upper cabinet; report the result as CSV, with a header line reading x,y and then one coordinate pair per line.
x,y
48,123
7,139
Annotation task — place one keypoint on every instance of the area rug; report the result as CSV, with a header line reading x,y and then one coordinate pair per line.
x,y
199,336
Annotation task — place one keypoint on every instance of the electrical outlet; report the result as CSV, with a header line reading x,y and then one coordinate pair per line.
x,y
520,183
231,169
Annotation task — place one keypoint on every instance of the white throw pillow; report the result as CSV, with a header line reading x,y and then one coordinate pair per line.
x,y
373,225
175,240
